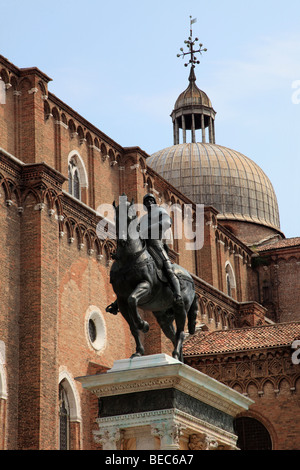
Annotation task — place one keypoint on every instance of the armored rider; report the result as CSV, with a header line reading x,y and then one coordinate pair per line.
x,y
153,227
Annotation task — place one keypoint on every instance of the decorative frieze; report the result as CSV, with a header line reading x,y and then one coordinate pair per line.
x,y
252,367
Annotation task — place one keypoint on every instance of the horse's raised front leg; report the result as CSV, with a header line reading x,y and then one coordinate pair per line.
x,y
140,292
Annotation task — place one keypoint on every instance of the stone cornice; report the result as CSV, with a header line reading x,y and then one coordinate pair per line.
x,y
141,377
214,294
35,172
23,72
60,104
80,211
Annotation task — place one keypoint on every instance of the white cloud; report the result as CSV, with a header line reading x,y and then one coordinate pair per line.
x,y
272,64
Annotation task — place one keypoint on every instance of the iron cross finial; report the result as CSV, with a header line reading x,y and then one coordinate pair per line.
x,y
190,43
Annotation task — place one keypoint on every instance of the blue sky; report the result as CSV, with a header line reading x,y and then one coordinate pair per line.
x,y
115,63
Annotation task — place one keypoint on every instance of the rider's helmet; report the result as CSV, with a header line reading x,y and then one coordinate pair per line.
x,y
149,196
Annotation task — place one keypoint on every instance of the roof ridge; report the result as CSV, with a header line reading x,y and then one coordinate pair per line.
x,y
251,327
280,335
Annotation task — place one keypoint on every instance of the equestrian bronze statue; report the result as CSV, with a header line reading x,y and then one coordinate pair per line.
x,y
143,277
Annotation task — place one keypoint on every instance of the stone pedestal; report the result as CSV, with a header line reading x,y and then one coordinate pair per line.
x,y
158,403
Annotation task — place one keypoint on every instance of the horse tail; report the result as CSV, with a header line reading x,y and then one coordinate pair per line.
x,y
192,316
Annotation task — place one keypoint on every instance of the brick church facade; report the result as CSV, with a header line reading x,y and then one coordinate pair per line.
x,y
56,169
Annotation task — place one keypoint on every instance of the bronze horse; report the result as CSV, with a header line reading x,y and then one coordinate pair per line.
x,y
139,283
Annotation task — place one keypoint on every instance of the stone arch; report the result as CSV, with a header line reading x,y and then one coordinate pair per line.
x,y
55,114
14,83
252,433
104,153
80,134
148,185
64,119
230,278
29,194
72,128
75,156
210,312
42,88
47,110
69,412
4,76
70,387
284,386
89,139
251,388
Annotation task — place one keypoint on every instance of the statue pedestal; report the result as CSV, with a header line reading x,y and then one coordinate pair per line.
x,y
158,403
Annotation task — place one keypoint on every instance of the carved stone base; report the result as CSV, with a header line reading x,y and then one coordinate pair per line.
x,y
158,403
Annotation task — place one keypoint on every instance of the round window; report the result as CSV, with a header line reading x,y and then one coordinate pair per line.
x,y
92,331
95,328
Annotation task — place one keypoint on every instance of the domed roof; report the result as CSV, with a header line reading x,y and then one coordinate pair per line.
x,y
217,176
192,96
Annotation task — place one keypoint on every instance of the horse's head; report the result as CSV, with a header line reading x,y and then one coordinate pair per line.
x,y
125,214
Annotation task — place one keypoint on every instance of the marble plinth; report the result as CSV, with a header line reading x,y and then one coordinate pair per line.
x,y
156,402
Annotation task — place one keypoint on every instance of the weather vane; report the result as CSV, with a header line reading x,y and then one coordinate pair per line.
x,y
190,43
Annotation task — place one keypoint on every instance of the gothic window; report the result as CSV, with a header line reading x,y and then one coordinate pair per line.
x,y
228,286
74,179
252,434
64,419
230,279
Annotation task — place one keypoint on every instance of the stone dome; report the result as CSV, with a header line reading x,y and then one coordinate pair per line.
x,y
217,176
192,96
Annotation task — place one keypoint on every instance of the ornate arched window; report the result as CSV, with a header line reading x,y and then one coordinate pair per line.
x,y
69,413
74,179
252,434
77,175
64,419
230,279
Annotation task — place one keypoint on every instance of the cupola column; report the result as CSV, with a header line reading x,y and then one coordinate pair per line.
x,y
203,128
211,139
183,129
176,131
193,129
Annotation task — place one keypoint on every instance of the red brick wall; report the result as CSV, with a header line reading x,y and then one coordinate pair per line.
x,y
271,380
278,280
9,315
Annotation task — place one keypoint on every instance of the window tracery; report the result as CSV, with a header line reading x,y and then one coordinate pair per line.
x,y
74,178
